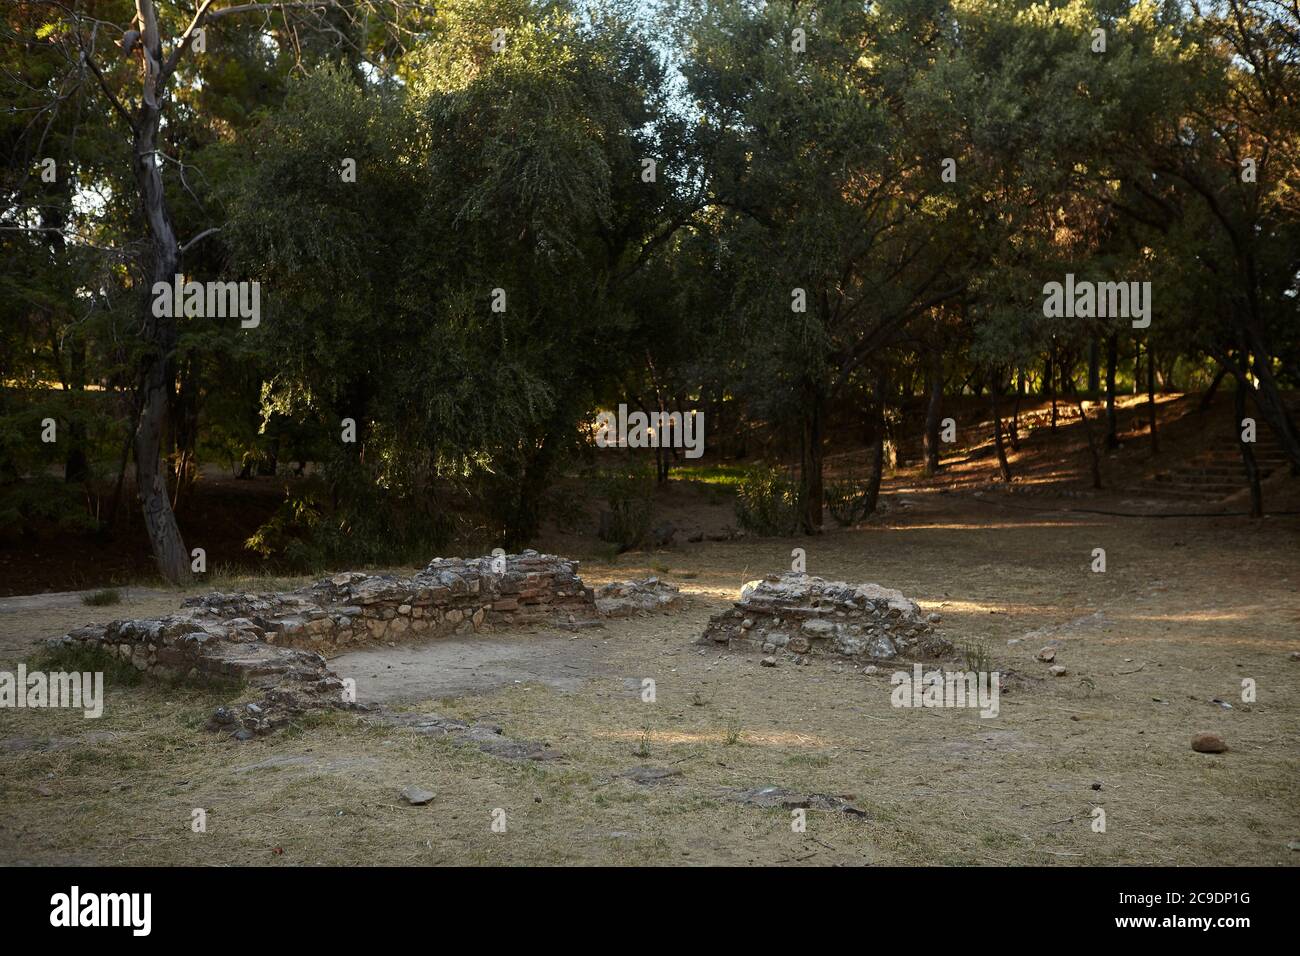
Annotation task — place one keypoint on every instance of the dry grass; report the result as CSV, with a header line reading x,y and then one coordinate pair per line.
x,y
1187,609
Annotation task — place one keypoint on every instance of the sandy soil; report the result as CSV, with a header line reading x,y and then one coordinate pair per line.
x,y
1186,609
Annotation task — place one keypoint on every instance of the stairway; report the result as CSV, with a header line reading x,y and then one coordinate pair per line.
x,y
1215,473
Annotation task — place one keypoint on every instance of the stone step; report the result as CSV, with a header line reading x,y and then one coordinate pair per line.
x,y
1180,494
1200,480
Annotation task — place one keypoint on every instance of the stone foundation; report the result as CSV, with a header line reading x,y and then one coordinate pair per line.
x,y
277,642
450,596
627,598
798,614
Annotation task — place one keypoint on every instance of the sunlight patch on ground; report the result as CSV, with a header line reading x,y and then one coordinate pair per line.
x,y
1189,617
975,525
772,738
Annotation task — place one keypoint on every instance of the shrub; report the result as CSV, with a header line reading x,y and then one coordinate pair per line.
x,y
767,502
369,526
630,496
847,500
41,503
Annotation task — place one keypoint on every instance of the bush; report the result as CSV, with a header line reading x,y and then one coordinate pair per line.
x,y
630,496
41,503
767,502
368,527
847,500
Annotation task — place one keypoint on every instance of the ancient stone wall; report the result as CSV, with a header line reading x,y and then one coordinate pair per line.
x,y
449,596
278,642
799,614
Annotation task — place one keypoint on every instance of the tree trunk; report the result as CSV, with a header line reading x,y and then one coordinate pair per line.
x,y
76,468
1248,455
1112,363
1208,398
127,443
935,375
1003,465
812,460
1049,382
159,331
270,462
185,431
1094,368
872,493
1268,399
1013,430
1093,453
1151,398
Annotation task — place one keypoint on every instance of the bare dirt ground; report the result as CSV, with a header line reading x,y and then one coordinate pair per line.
x,y
1186,609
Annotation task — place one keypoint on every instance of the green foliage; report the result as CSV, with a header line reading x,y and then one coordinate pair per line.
x,y
43,502
519,169
767,502
348,522
727,476
629,494
82,658
847,499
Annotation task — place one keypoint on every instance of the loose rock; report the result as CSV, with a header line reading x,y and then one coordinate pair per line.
x,y
650,776
1209,744
417,797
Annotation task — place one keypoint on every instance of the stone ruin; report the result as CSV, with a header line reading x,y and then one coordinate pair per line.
x,y
277,642
797,614
626,598
450,596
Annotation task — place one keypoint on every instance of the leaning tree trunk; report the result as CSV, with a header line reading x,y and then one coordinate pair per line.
x,y
159,332
1208,398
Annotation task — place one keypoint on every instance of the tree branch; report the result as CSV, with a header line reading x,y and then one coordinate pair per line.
x,y
203,235
186,39
103,84
250,7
